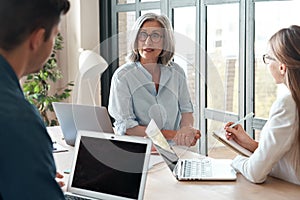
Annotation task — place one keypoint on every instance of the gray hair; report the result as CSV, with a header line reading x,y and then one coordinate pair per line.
x,y
169,41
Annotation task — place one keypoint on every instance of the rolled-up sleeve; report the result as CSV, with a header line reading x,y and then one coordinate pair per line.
x,y
120,105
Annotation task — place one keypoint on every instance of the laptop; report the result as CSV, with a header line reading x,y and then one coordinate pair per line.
x,y
74,117
190,169
107,166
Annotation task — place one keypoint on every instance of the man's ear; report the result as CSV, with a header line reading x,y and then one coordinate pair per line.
x,y
282,69
37,38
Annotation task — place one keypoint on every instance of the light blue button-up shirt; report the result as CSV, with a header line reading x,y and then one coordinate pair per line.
x,y
134,100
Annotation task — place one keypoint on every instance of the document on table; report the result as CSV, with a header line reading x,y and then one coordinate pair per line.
x,y
220,135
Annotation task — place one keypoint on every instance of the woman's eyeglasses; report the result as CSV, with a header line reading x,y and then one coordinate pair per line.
x,y
155,37
267,59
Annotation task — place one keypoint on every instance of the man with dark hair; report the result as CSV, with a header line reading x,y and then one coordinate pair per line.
x,y
27,32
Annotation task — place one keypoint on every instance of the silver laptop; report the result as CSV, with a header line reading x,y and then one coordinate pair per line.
x,y
190,169
107,166
74,117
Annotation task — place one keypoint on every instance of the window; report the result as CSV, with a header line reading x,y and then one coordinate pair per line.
x,y
215,46
125,22
267,23
185,34
222,68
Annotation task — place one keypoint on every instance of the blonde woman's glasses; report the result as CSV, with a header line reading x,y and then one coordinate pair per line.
x,y
267,59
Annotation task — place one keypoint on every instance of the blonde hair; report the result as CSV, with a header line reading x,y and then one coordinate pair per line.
x,y
168,35
285,45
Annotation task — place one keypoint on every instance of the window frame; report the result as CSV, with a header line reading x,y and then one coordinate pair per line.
x,y
110,10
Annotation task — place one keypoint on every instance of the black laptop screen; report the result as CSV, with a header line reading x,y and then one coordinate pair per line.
x,y
109,166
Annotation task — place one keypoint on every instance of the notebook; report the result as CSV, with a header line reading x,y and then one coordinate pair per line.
x,y
74,117
190,169
220,135
107,166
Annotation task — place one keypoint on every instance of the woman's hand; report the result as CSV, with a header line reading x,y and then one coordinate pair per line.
x,y
187,136
240,136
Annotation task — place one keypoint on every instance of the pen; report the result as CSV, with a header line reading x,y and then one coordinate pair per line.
x,y
244,118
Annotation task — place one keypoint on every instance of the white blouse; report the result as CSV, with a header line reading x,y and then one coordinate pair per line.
x,y
277,147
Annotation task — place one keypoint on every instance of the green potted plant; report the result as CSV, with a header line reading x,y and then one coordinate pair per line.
x,y
37,86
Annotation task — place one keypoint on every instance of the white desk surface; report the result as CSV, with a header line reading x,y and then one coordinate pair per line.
x,y
161,184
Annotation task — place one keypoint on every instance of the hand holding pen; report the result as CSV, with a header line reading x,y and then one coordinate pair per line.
x,y
232,125
236,132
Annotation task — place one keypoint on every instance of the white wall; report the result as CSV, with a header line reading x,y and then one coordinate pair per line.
x,y
80,29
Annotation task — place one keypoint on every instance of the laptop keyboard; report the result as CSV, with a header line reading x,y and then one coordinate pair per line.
x,y
71,197
197,168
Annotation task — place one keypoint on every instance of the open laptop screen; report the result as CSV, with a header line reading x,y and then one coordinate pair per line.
x,y
161,145
74,117
109,166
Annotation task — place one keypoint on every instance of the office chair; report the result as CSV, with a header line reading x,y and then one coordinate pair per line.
x,y
91,67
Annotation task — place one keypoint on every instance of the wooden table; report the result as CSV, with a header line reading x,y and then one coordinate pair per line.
x,y
161,184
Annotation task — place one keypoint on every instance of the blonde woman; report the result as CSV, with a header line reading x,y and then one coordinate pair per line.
x,y
277,153
150,85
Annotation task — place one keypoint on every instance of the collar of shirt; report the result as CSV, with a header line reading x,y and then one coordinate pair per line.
x,y
165,73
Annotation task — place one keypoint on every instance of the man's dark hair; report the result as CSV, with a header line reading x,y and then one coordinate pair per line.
x,y
19,18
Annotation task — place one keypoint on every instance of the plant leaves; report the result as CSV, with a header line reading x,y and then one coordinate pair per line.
x,y
37,86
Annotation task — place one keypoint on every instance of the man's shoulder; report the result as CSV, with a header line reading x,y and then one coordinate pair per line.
x,y
13,100
15,109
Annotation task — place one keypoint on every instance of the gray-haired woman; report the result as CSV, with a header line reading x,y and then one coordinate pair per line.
x,y
151,86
